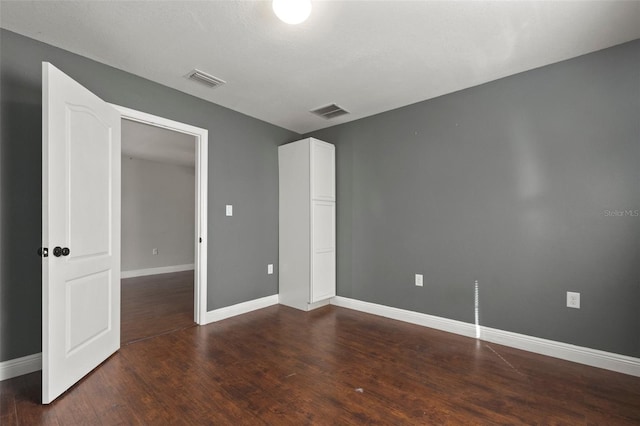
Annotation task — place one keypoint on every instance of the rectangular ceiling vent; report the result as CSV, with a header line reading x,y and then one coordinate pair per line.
x,y
204,78
330,111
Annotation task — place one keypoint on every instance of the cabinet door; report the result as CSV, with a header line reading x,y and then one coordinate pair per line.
x,y
323,171
323,274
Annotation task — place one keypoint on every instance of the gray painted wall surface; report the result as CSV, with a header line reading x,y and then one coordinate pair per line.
x,y
243,171
158,211
507,183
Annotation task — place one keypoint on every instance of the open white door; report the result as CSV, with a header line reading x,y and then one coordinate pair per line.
x,y
81,229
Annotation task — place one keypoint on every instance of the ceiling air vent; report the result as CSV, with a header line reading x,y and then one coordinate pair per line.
x,y
329,111
204,78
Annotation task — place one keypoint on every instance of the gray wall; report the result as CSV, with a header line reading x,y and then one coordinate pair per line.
x,y
507,183
243,171
158,211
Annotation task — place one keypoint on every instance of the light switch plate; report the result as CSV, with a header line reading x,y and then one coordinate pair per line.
x,y
270,268
419,280
229,210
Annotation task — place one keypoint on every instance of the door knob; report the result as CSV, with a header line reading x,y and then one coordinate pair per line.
x,y
59,251
43,252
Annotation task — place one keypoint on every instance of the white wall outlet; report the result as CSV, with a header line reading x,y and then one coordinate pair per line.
x,y
155,251
573,300
419,280
270,268
229,210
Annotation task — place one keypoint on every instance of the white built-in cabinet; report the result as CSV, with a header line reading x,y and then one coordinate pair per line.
x,y
307,268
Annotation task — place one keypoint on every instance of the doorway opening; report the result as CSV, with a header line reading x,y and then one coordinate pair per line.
x,y
164,225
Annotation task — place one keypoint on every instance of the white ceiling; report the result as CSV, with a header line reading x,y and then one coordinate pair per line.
x,y
367,57
153,143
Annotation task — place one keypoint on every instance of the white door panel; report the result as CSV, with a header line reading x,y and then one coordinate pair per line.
x,y
323,171
324,236
90,320
81,212
323,264
89,219
324,276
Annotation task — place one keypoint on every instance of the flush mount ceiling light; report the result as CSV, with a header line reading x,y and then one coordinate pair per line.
x,y
292,11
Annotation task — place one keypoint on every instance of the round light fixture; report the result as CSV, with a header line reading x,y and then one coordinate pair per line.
x,y
292,11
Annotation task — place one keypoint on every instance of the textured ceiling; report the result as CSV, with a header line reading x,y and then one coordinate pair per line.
x,y
367,57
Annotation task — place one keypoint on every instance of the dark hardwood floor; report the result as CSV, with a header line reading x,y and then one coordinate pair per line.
x,y
280,366
155,304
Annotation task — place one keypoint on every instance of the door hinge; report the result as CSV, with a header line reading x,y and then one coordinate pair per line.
x,y
200,239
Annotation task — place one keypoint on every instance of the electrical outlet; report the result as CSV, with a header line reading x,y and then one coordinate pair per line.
x,y
155,251
573,300
419,280
270,268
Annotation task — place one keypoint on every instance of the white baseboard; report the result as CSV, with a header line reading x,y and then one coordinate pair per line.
x,y
431,321
156,271
19,366
581,355
592,357
241,308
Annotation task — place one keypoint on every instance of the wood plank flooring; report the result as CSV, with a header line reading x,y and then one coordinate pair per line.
x,y
280,366
155,304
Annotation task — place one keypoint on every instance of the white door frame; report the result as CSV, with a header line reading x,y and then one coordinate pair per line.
x,y
202,162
